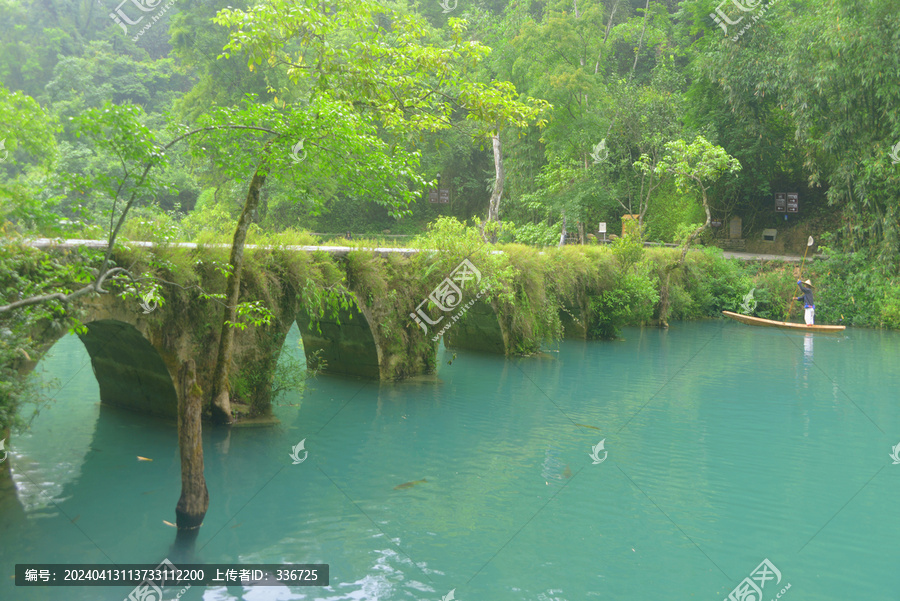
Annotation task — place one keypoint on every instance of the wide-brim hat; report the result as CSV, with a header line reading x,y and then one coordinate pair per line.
x,y
808,283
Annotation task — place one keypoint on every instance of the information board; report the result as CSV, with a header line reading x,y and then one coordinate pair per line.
x,y
780,202
793,202
441,196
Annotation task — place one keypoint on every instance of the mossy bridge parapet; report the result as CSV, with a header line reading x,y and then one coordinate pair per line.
x,y
357,311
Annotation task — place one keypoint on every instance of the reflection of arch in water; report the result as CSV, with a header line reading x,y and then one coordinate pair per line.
x,y
49,454
129,370
81,473
130,374
113,500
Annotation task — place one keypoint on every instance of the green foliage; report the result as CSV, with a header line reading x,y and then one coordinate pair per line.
x,y
630,301
853,288
694,165
669,213
294,372
628,250
26,130
721,284
538,234
627,292
152,226
213,216
330,300
25,272
291,374
253,313
118,132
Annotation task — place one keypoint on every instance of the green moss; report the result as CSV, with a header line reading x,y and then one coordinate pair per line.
x,y
600,288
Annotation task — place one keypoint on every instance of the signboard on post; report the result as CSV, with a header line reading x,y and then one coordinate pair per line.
x,y
601,229
780,202
441,196
793,202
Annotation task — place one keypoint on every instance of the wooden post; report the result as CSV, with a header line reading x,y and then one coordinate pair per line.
x,y
194,501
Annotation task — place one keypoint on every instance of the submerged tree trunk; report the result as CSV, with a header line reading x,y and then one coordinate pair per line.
x,y
499,178
194,501
221,399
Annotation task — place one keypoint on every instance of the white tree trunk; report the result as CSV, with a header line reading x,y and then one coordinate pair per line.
x,y
562,236
499,177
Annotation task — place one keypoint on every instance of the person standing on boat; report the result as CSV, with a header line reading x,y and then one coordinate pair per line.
x,y
808,303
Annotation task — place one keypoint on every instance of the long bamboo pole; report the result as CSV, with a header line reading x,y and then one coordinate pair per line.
x,y
808,244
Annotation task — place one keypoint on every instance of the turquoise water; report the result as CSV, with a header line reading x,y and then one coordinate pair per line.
x,y
724,445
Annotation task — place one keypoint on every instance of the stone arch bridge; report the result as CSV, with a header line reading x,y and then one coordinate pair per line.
x,y
136,355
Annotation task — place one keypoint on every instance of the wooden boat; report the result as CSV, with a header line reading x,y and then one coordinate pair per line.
x,y
771,323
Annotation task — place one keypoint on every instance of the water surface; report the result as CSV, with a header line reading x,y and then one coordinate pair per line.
x,y
724,445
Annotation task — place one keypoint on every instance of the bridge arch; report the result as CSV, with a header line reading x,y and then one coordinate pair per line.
x,y
129,370
345,342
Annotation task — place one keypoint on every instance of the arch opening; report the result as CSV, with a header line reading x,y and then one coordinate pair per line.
x,y
346,344
129,370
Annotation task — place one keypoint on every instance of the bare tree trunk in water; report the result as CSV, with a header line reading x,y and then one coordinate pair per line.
x,y
499,177
194,501
562,236
221,400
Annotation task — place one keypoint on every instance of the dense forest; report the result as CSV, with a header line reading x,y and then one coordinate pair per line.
x,y
530,113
